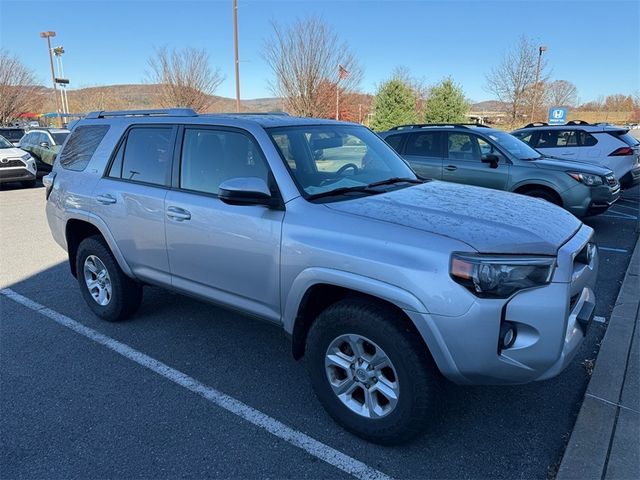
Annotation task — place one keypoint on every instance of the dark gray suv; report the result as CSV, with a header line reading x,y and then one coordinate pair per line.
x,y
483,156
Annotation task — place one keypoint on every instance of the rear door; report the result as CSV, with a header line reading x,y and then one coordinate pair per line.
x,y
227,253
424,152
130,198
464,162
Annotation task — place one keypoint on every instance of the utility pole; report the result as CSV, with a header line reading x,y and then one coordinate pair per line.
x,y
338,99
535,85
48,36
235,45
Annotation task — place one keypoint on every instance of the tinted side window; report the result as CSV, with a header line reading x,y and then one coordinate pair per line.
x,y
557,139
585,139
147,155
524,136
394,141
81,146
424,144
462,146
209,157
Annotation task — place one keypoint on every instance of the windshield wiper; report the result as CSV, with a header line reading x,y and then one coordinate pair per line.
x,y
342,191
391,181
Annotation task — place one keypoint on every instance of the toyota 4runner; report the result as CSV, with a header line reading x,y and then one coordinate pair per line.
x,y
384,282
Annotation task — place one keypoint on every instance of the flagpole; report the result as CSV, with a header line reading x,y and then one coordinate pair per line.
x,y
338,98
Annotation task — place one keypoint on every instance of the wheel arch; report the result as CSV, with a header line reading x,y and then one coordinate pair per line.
x,y
525,188
77,229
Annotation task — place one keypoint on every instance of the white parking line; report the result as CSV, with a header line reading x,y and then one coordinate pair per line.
x,y
632,207
310,445
609,249
618,215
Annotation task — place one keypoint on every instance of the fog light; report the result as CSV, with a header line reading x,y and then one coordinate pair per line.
x,y
507,335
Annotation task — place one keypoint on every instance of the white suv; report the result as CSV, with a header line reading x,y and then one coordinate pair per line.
x,y
601,144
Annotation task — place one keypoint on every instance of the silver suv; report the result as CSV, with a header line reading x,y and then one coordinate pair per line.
x,y
384,282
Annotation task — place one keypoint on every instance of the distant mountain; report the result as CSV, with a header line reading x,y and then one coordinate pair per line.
x,y
489,106
142,96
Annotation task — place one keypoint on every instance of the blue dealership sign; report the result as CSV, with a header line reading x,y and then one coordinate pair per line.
x,y
557,116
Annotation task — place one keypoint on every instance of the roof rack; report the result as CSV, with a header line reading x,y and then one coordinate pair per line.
x,y
169,112
536,124
426,125
281,114
578,122
571,122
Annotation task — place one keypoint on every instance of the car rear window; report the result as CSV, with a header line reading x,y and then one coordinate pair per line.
x,y
626,137
81,146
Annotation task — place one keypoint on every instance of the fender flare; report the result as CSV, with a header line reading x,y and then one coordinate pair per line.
x,y
106,234
339,278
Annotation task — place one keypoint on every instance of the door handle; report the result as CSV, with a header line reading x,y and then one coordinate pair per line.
x,y
451,168
179,214
106,199
568,153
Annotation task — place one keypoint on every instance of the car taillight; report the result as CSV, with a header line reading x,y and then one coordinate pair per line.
x,y
621,151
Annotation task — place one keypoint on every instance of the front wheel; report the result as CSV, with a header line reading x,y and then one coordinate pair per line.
x,y
108,292
544,195
371,372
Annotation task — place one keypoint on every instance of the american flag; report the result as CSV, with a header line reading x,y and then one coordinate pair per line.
x,y
342,72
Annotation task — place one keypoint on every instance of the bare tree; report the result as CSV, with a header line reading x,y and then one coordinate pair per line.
x,y
304,57
562,93
511,81
185,78
18,91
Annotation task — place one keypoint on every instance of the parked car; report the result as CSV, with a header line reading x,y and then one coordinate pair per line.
x,y
44,144
13,134
601,144
16,165
383,281
482,156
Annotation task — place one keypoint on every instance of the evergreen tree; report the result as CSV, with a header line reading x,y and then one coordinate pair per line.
x,y
394,104
446,104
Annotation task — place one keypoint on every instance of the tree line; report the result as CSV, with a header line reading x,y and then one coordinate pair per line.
x,y
316,74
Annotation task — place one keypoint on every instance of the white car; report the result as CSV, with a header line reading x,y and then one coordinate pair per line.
x,y
601,144
16,165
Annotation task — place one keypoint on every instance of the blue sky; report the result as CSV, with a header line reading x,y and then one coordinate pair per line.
x,y
595,44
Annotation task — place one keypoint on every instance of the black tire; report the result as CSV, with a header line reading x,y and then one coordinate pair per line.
x,y
544,195
29,183
126,293
418,378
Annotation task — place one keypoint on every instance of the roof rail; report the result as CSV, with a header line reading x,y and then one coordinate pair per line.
x,y
536,124
169,112
425,125
281,114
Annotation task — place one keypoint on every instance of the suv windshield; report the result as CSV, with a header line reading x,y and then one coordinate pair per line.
x,y
4,143
339,158
514,146
12,134
59,138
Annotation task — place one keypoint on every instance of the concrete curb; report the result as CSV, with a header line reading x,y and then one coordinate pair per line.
x,y
589,450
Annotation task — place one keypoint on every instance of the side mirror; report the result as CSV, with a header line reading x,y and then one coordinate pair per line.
x,y
44,144
245,191
491,159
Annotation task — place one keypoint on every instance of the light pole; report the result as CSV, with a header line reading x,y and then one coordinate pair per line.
x,y
48,36
58,51
541,49
235,46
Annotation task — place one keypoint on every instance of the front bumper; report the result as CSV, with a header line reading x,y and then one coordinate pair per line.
x,y
550,322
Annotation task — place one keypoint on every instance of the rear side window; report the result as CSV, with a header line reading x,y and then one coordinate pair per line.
x,y
81,146
585,139
557,139
424,144
394,141
145,156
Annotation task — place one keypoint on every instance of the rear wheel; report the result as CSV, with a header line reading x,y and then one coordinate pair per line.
x,y
370,371
109,293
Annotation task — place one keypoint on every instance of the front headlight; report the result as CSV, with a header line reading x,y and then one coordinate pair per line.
x,y
587,178
499,276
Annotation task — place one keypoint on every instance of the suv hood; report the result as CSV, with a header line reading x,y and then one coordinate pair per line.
x,y
575,165
490,221
11,152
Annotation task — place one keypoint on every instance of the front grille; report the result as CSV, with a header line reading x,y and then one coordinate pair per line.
x,y
611,180
12,163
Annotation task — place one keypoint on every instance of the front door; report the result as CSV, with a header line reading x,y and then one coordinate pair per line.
x,y
466,162
227,253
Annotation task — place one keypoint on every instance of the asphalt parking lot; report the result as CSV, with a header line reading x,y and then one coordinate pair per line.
x,y
72,407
